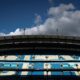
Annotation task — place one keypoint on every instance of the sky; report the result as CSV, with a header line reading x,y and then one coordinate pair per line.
x,y
40,17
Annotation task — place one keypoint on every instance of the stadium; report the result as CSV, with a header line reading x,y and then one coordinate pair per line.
x,y
40,57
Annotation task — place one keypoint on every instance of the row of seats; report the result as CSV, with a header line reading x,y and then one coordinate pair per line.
x,y
39,66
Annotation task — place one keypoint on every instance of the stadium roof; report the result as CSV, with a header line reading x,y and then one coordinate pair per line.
x,y
39,42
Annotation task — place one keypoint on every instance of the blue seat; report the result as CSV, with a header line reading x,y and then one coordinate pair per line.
x,y
6,65
56,66
14,66
56,73
66,73
20,65
66,66
38,66
1,64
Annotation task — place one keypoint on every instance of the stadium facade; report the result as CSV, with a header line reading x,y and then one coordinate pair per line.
x,y
41,57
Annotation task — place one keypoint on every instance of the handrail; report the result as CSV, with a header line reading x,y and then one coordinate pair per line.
x,y
36,61
11,69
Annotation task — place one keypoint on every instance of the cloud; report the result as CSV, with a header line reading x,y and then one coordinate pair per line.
x,y
59,11
18,31
38,19
3,34
63,20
